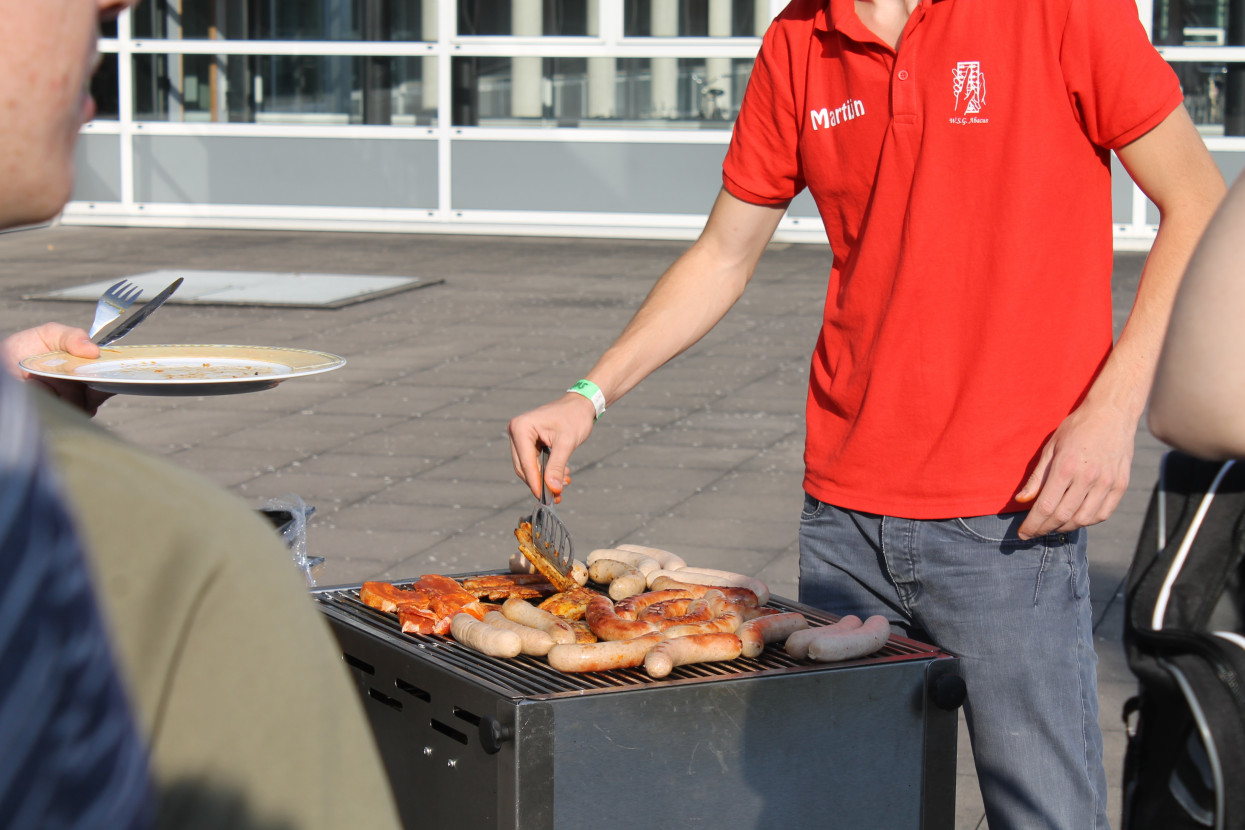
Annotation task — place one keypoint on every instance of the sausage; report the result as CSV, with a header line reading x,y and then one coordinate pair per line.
x,y
524,613
618,654
535,642
727,622
716,578
735,580
797,643
484,638
639,561
830,645
633,606
697,612
609,626
624,580
665,558
667,609
699,589
770,628
696,648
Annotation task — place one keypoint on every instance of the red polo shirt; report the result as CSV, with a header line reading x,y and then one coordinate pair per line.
x,y
964,183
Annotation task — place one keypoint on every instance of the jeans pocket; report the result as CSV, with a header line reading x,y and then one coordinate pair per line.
x,y
812,508
999,530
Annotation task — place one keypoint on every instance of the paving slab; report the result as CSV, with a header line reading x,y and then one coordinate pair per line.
x,y
404,448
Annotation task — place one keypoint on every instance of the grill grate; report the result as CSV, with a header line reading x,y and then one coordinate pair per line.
x,y
532,678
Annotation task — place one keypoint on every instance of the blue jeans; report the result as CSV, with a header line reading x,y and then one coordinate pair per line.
x,y
1017,614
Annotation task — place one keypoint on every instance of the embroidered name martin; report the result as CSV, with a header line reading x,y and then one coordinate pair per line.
x,y
826,117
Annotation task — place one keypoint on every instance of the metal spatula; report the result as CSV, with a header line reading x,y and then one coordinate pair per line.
x,y
546,541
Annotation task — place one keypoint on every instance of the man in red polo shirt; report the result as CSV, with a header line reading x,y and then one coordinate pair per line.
x,y
968,415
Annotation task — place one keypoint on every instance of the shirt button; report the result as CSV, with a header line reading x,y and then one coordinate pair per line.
x,y
903,74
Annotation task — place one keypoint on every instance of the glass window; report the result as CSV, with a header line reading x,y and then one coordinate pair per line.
x,y
612,92
1190,22
695,18
1214,92
527,18
362,20
285,89
104,89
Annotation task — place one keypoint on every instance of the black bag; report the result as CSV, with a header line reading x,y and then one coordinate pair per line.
x,y
1184,638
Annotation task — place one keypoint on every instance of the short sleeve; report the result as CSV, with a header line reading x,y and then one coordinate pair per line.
x,y
1117,81
763,162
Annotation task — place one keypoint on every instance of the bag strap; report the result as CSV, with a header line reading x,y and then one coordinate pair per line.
x,y
1186,543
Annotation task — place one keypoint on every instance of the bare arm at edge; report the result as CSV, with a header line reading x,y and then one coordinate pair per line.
x,y
1198,400
1083,469
688,300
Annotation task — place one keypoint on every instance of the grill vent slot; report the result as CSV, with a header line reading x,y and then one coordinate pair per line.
x,y
469,717
385,699
366,668
448,731
412,690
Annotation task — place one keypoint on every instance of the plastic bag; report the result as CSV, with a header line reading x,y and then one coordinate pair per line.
x,y
289,513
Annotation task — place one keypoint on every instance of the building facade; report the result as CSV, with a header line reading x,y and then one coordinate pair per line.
x,y
556,117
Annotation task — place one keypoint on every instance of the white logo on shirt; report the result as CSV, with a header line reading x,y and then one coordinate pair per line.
x,y
825,117
969,86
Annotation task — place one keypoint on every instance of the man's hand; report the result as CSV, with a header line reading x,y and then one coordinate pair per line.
x,y
560,425
53,337
1081,474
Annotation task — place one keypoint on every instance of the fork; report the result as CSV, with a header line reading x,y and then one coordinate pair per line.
x,y
115,300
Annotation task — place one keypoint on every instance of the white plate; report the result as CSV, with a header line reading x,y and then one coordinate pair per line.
x,y
183,370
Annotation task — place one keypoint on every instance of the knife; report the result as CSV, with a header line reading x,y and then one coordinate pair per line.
x,y
139,316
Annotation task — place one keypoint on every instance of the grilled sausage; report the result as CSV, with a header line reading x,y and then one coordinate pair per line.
x,y
484,638
665,558
524,613
770,628
618,654
639,561
609,626
797,643
696,648
624,580
667,609
715,578
699,589
633,606
727,622
830,646
535,642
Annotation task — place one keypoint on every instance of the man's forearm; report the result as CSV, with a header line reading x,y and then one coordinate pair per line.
x,y
1173,168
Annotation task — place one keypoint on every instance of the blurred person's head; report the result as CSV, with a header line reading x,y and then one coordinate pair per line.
x,y
47,56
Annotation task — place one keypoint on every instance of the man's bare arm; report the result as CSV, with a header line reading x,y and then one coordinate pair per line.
x,y
1083,470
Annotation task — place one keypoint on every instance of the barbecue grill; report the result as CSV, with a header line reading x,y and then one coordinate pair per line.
x,y
471,741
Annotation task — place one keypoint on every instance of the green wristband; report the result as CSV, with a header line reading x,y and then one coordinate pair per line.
x,y
592,392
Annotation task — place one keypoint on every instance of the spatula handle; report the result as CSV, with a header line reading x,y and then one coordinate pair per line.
x,y
546,498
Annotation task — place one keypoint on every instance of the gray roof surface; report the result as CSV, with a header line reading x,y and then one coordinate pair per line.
x,y
404,454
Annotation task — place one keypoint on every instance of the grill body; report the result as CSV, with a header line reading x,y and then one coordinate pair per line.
x,y
475,742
